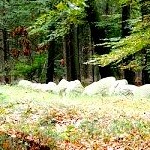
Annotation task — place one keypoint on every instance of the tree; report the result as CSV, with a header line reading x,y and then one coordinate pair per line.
x,y
128,74
145,11
72,54
132,44
50,64
17,14
64,18
52,22
97,33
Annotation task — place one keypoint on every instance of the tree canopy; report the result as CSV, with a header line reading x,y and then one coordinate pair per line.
x,y
46,20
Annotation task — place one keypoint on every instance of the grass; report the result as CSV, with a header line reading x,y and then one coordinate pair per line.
x,y
28,117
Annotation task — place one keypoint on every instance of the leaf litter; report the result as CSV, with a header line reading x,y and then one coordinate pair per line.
x,y
34,120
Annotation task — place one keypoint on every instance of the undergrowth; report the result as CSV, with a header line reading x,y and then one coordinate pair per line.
x,y
39,120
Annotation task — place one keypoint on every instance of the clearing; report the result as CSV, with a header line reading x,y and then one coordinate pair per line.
x,y
34,120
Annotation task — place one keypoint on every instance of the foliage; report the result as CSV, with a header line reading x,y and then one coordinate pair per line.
x,y
132,45
20,12
59,69
32,70
125,47
56,23
47,20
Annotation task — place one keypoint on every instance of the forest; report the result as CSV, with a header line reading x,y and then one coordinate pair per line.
x,y
45,40
74,74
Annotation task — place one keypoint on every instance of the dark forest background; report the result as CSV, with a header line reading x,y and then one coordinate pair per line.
x,y
47,40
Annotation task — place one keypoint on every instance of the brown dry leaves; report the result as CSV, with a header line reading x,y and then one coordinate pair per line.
x,y
78,124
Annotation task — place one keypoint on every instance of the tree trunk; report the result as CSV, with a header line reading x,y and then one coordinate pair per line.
x,y
85,52
72,55
1,57
129,75
7,77
50,66
145,10
68,56
125,20
98,34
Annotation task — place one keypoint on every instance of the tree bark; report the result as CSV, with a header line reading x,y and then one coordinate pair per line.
x,y
145,11
98,34
50,66
129,75
125,20
1,56
7,77
72,55
85,52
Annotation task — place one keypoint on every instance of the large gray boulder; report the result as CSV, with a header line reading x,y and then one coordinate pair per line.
x,y
74,88
36,86
53,87
92,89
125,90
50,87
25,83
62,85
122,88
116,86
100,88
143,91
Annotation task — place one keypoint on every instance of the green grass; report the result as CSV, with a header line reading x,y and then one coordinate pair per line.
x,y
79,123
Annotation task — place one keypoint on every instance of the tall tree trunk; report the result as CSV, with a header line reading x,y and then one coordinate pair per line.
x,y
1,56
85,52
97,33
128,74
6,57
50,66
125,20
6,45
68,56
72,55
145,11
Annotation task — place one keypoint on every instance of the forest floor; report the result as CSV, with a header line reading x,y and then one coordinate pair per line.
x,y
33,120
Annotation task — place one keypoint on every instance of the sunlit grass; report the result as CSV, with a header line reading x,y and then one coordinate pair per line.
x,y
84,122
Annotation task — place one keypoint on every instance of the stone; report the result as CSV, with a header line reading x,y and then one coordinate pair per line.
x,y
45,88
125,90
50,87
25,83
114,89
142,91
62,85
53,87
100,88
105,84
92,89
74,88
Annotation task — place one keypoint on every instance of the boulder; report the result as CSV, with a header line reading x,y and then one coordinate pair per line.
x,y
36,86
125,90
92,89
50,87
116,86
100,88
53,87
46,88
25,83
62,85
74,88
142,91
105,84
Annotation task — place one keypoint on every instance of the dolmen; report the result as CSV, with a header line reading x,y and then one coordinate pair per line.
x,y
108,86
